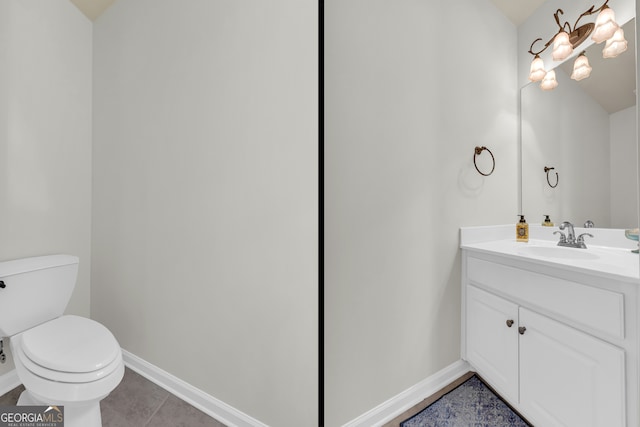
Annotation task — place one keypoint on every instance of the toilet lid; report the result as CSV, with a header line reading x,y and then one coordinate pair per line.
x,y
70,344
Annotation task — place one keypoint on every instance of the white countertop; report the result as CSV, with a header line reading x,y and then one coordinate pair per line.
x,y
614,260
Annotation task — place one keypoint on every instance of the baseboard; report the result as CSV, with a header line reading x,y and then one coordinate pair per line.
x,y
199,399
9,381
395,406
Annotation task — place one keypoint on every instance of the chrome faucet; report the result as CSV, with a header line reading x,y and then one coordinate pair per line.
x,y
570,240
571,234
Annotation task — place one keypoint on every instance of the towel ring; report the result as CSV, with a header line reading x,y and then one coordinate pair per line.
x,y
547,169
478,151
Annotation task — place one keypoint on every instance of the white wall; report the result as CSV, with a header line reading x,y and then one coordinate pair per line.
x,y
403,113
566,129
45,142
624,169
205,214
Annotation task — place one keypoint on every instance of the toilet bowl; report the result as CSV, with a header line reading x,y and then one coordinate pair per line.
x,y
62,360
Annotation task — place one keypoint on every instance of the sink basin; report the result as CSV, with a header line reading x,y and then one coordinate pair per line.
x,y
557,252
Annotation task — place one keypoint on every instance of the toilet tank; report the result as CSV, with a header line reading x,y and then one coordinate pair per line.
x,y
35,290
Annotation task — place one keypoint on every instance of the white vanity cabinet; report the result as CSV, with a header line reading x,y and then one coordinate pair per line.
x,y
560,346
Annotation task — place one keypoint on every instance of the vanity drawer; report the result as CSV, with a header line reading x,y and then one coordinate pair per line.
x,y
598,309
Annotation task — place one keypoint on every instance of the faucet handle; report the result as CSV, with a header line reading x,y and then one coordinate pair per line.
x,y
563,238
581,238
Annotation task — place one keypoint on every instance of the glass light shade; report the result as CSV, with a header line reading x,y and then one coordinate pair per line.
x,y
549,82
581,68
605,25
537,69
615,45
562,47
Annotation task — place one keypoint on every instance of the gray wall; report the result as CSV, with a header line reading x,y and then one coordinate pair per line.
x,y
45,141
411,87
205,213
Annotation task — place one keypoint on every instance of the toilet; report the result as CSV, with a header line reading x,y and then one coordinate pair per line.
x,y
61,360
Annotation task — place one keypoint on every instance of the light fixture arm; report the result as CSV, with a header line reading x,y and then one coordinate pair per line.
x,y
555,15
543,49
547,44
576,34
591,11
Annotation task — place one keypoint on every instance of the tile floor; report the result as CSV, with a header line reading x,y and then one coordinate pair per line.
x,y
137,402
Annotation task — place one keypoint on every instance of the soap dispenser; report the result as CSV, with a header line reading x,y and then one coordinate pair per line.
x,y
522,230
547,221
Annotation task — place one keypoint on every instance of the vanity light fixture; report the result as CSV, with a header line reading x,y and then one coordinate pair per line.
x,y
568,38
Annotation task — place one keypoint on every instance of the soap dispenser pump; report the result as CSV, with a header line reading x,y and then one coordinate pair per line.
x,y
547,221
522,230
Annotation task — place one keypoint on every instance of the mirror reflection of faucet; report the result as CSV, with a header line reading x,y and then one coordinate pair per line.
x,y
569,240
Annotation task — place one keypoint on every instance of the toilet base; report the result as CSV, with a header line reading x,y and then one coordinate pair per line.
x,y
74,416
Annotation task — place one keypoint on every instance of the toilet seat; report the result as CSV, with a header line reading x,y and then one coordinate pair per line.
x,y
69,349
67,377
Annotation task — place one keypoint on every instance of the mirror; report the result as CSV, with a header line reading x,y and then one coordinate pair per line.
x,y
578,149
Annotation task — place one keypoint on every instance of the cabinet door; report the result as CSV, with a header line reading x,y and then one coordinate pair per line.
x,y
568,378
492,340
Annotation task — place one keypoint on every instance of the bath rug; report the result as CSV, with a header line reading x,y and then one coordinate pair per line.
x,y
470,404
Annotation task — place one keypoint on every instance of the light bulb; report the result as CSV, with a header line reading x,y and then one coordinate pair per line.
x,y
581,68
549,82
562,47
605,25
537,69
615,45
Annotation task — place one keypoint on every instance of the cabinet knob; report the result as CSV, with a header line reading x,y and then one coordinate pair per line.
x,y
509,323
521,329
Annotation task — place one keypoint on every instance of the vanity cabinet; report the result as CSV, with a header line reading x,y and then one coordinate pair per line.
x,y
555,348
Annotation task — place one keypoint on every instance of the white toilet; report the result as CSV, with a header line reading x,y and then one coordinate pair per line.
x,y
61,360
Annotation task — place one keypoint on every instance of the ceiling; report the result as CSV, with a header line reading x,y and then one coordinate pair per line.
x,y
517,10
92,8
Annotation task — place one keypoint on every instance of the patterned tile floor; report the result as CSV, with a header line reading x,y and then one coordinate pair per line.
x,y
137,402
